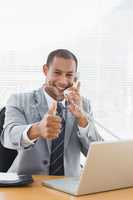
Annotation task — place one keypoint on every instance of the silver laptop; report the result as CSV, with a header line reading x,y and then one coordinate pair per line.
x,y
108,166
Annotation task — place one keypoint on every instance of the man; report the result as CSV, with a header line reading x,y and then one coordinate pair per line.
x,y
48,142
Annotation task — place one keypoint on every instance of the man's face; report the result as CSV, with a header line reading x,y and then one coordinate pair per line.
x,y
60,73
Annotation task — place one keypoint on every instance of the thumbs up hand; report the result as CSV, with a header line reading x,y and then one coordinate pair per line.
x,y
50,125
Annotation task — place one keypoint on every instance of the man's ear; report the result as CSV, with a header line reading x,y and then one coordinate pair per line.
x,y
45,69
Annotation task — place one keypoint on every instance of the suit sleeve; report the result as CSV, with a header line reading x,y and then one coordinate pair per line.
x,y
89,134
15,123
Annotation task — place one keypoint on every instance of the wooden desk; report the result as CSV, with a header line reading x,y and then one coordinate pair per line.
x,y
38,192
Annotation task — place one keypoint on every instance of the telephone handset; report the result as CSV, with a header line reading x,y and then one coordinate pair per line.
x,y
76,78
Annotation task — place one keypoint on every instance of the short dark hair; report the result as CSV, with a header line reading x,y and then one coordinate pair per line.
x,y
61,53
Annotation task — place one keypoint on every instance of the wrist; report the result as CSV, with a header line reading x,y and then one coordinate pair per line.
x,y
82,120
34,131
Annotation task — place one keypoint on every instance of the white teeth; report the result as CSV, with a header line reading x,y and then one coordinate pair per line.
x,y
60,88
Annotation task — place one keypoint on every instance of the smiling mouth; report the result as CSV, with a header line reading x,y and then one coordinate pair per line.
x,y
60,89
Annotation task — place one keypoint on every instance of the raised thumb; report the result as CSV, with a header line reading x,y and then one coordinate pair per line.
x,y
52,109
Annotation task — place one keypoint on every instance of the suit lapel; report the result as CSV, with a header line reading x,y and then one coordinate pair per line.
x,y
41,102
42,107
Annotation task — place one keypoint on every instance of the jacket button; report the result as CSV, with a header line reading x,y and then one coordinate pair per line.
x,y
45,162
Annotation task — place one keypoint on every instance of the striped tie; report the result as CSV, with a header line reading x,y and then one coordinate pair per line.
x,y
57,150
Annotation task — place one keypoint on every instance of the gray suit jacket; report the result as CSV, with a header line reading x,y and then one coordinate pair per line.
x,y
28,108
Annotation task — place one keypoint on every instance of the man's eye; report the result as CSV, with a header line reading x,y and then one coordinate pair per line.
x,y
57,73
69,75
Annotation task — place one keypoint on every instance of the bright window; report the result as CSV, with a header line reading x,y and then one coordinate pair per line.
x,y
100,33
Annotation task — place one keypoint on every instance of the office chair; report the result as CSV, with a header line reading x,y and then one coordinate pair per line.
x,y
7,156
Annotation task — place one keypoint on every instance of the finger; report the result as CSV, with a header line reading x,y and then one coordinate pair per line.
x,y
71,108
54,125
74,98
70,91
74,108
52,134
74,88
53,131
53,118
52,109
76,85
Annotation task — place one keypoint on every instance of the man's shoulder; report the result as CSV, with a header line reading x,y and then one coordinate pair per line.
x,y
23,97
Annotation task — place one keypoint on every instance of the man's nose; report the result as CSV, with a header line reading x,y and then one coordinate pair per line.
x,y
63,79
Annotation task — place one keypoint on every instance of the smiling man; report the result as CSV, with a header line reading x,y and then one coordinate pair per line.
x,y
49,127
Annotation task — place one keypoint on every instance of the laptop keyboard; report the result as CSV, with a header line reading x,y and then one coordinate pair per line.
x,y
65,184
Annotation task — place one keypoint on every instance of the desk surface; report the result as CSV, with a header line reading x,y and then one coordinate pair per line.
x,y
36,191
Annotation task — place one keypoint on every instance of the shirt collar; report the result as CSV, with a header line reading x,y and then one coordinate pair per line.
x,y
50,99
